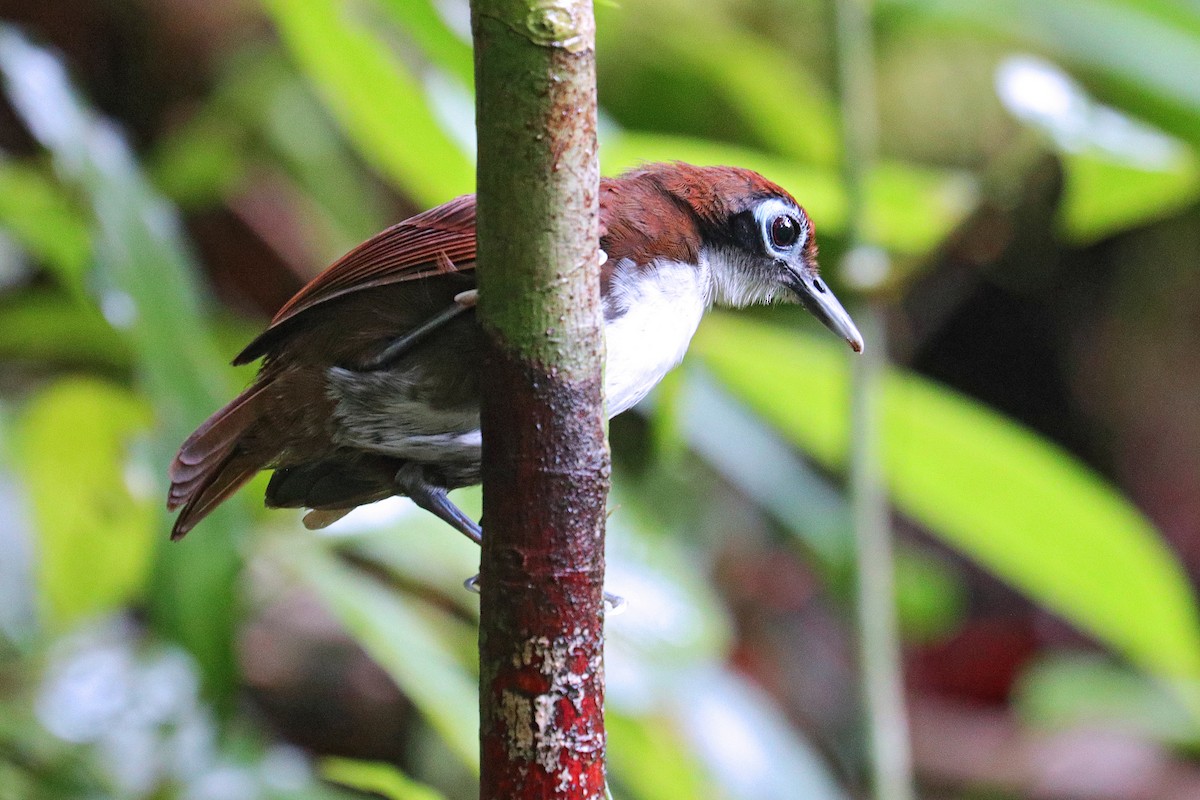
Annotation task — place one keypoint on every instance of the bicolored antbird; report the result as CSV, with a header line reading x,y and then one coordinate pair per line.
x,y
369,385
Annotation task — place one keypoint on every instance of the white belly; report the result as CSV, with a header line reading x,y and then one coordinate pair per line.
x,y
663,310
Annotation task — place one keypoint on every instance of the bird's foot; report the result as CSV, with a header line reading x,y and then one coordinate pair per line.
x,y
614,604
410,479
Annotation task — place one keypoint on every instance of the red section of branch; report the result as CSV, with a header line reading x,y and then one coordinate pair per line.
x,y
541,634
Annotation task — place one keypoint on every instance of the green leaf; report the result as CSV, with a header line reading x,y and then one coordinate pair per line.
x,y
1140,56
259,104
1082,690
665,33
412,641
931,598
147,288
94,539
39,216
1105,195
198,163
376,99
648,759
1015,503
909,210
423,20
50,327
376,778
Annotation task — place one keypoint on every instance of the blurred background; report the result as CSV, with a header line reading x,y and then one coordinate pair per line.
x,y
1027,235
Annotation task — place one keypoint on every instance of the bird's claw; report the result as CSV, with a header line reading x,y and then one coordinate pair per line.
x,y
614,604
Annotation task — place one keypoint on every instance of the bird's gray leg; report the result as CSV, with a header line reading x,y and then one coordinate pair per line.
x,y
411,480
463,302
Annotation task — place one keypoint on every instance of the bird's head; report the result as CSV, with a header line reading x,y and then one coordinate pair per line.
x,y
758,243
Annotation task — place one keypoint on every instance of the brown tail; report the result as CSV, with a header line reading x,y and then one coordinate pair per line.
x,y
213,463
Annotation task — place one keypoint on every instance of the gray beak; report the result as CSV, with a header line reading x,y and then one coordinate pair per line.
x,y
816,297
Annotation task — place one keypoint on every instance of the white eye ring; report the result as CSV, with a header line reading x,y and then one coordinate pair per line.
x,y
767,212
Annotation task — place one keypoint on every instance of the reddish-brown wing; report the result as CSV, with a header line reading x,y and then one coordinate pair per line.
x,y
436,241
433,242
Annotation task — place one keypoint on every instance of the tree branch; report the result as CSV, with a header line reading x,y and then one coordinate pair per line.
x,y
545,459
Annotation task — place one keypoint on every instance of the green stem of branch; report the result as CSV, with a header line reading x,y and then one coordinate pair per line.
x,y
879,641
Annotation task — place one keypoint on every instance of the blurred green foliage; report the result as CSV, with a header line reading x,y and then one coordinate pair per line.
x,y
76,484
1010,500
355,109
374,97
377,778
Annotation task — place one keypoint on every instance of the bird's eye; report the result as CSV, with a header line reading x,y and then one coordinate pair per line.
x,y
784,231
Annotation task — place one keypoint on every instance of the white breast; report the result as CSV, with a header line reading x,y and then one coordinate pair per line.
x,y
662,308
653,314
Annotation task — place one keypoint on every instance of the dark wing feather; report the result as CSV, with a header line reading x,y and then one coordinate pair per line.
x,y
436,241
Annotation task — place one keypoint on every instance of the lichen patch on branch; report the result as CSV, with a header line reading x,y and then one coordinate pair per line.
x,y
543,725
